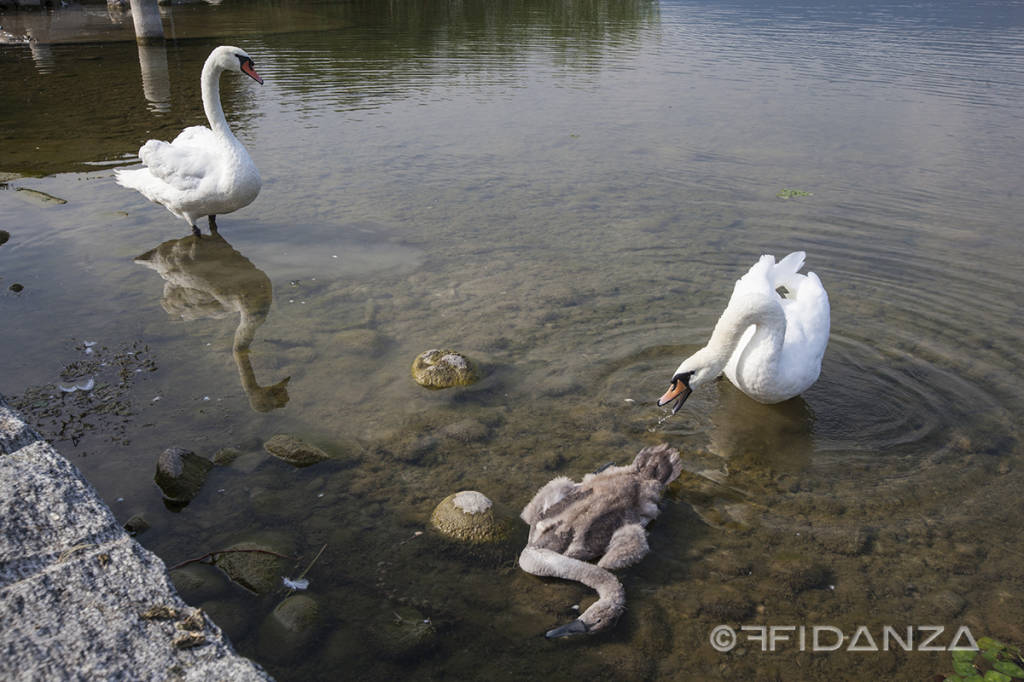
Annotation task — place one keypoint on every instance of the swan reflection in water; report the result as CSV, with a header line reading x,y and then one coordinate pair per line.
x,y
750,435
751,448
206,278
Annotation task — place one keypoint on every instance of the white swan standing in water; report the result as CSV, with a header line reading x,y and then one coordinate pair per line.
x,y
769,345
602,518
204,171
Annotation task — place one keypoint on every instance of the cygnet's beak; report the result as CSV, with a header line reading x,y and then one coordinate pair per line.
x,y
679,391
248,70
576,627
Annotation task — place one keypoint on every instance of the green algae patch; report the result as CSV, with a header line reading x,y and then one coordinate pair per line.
x,y
789,193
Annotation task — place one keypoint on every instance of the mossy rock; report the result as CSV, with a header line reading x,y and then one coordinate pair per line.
x,y
226,456
289,628
469,517
256,571
180,473
294,450
437,369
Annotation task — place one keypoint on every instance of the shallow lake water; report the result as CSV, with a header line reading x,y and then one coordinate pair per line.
x,y
565,192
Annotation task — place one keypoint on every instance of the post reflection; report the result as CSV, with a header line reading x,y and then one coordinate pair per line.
x,y
207,278
156,82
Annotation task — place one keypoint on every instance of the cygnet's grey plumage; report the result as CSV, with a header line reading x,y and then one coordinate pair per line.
x,y
601,518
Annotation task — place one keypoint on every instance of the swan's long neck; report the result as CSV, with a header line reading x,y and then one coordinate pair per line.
x,y
211,99
760,311
611,595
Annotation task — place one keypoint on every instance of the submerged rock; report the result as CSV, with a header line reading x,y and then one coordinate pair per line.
x,y
793,575
405,635
180,473
437,369
467,431
468,516
226,456
257,571
136,525
198,582
365,343
41,197
294,450
289,628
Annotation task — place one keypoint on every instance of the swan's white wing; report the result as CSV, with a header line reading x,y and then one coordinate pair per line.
x,y
185,162
766,276
811,312
787,268
807,331
758,279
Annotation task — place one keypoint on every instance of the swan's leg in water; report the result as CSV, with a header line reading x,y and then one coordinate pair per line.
x,y
195,231
213,223
627,546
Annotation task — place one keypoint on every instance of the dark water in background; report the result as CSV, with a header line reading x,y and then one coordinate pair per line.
x,y
565,191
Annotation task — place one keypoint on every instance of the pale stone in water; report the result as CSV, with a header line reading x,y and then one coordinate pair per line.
x,y
469,516
471,502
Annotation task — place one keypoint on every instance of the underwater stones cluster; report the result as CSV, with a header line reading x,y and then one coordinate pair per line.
x,y
180,473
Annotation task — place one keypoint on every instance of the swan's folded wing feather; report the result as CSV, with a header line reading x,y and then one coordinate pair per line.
x,y
787,268
758,279
810,314
766,276
184,162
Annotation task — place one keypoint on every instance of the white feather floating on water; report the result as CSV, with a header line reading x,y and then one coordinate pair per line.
x,y
78,385
299,584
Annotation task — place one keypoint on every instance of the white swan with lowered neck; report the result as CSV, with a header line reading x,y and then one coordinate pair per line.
x,y
769,346
204,171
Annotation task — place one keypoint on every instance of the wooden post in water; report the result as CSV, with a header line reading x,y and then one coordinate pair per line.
x,y
148,27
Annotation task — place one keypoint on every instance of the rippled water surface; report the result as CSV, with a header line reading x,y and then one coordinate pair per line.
x,y
566,193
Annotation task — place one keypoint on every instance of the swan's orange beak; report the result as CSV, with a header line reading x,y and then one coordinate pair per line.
x,y
679,390
249,71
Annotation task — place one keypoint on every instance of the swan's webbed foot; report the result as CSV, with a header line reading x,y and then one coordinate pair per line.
x,y
213,222
196,232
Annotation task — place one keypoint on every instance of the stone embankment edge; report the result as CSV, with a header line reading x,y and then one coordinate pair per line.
x,y
77,593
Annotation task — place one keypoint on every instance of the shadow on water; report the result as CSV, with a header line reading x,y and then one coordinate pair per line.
x,y
204,277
